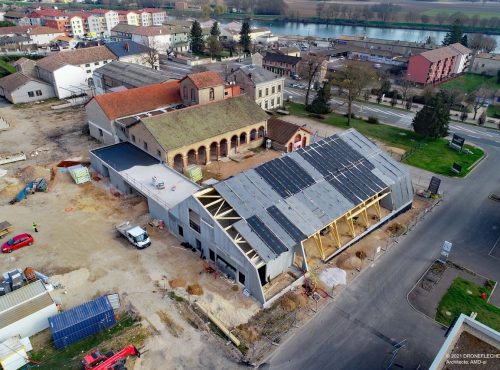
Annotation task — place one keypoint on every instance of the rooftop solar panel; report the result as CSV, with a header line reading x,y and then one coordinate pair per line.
x,y
285,223
266,235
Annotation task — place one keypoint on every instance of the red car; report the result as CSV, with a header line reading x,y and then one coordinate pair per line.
x,y
17,242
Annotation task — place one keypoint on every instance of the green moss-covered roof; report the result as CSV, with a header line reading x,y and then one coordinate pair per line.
x,y
191,125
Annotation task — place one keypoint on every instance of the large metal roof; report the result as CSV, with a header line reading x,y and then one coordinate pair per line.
x,y
286,200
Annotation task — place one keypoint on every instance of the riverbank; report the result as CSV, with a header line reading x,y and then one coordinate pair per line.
x,y
362,23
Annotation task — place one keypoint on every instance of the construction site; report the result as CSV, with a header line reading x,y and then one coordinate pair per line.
x,y
219,253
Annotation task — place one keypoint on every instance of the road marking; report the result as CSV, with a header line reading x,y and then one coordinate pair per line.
x,y
489,254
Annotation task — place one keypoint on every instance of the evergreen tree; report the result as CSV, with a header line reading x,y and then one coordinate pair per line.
x,y
196,36
432,120
215,31
245,39
320,104
456,34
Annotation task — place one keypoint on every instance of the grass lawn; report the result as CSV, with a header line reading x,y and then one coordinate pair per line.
x,y
6,68
431,155
493,111
126,331
457,301
450,10
470,82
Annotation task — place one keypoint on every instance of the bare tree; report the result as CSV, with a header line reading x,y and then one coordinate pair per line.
x,y
480,42
406,91
479,98
441,17
353,79
152,56
309,68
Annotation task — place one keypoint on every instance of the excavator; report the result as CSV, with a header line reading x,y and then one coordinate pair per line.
x,y
110,361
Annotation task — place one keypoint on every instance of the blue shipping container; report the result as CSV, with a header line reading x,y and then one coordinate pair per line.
x,y
81,321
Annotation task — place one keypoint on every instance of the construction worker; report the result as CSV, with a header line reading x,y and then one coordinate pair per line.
x,y
35,228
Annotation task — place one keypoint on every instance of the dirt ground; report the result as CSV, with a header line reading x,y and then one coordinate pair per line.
x,y
78,248
226,168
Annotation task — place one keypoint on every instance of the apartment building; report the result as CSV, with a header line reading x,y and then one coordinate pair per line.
x,y
438,65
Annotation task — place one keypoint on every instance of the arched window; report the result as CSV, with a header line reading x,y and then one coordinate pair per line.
x,y
212,94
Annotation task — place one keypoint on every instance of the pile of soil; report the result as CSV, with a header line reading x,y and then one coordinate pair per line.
x,y
350,263
291,301
195,289
395,229
177,283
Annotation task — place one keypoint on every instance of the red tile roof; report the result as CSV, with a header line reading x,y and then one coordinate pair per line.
x,y
202,80
13,30
42,30
282,131
47,13
75,57
138,100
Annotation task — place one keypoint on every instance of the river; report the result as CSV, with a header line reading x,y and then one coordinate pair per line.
x,y
331,30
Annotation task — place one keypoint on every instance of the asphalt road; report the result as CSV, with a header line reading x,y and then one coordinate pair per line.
x,y
360,329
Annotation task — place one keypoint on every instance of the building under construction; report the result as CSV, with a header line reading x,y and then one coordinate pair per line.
x,y
266,226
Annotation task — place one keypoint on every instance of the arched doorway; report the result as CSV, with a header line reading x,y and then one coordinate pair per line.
x,y
243,138
297,142
234,143
214,152
261,132
253,134
304,141
191,157
202,155
290,147
223,148
179,163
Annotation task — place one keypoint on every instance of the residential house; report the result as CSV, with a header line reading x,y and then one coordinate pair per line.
x,y
21,88
160,38
283,65
496,99
43,35
103,111
52,18
70,72
16,17
286,136
132,52
432,66
264,87
486,64
119,76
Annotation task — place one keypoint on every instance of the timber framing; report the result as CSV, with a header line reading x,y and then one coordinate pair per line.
x,y
361,210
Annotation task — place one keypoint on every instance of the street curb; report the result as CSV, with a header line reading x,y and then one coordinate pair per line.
x,y
421,277
411,290
476,163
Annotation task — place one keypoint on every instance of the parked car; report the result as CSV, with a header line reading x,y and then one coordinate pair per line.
x,y
17,242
